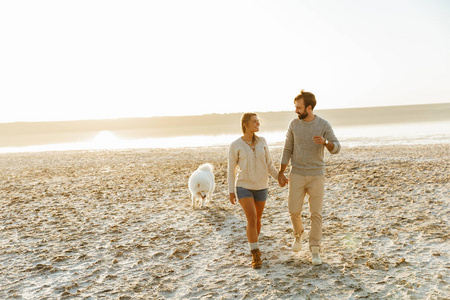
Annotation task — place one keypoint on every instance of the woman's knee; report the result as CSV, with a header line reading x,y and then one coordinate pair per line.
x,y
252,220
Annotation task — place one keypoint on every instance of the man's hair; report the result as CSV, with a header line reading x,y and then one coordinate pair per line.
x,y
308,98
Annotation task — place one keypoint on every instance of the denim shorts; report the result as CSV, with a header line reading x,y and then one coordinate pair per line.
x,y
258,195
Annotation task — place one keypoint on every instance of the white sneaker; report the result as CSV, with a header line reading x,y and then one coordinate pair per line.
x,y
297,244
315,256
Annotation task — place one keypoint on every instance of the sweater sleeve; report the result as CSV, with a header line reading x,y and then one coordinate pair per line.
x,y
232,165
288,146
329,135
271,168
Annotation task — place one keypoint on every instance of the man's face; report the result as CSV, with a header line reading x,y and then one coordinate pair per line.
x,y
300,109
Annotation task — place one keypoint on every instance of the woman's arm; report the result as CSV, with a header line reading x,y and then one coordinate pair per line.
x,y
232,165
271,168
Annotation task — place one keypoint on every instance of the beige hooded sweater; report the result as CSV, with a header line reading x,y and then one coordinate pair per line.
x,y
251,168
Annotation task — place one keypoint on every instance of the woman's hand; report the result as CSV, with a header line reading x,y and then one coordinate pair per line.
x,y
233,198
282,180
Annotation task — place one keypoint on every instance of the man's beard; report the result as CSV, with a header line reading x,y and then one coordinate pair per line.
x,y
303,115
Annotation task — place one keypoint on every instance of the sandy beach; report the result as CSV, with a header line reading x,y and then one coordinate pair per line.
x,y
117,224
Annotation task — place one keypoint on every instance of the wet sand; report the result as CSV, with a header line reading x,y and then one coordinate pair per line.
x,y
119,225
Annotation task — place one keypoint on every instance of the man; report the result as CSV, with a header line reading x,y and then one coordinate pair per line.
x,y
306,139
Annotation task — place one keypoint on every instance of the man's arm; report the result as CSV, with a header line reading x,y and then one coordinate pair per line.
x,y
322,141
330,146
283,168
333,144
286,157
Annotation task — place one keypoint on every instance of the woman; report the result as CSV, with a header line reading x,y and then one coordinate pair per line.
x,y
251,154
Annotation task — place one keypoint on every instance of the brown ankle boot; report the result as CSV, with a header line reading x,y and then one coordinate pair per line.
x,y
256,259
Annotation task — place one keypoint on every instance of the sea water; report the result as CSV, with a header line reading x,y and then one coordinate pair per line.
x,y
349,136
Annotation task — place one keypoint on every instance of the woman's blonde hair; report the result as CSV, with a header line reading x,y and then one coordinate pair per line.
x,y
244,121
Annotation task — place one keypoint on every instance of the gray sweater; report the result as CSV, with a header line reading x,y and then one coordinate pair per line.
x,y
307,157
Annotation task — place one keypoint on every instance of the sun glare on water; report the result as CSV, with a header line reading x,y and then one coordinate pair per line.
x,y
106,140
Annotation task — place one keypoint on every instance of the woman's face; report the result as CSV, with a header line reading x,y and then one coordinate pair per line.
x,y
253,124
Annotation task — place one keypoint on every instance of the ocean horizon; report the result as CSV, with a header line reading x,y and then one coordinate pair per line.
x,y
420,133
397,125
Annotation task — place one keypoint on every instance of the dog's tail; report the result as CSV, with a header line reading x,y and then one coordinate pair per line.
x,y
206,167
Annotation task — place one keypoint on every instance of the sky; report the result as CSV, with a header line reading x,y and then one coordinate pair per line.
x,y
74,60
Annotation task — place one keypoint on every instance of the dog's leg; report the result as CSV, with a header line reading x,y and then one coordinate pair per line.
x,y
193,201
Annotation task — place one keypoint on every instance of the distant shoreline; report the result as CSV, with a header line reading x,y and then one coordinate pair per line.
x,y
424,106
40,133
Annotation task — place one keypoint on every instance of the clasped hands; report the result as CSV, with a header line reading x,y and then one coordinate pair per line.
x,y
282,180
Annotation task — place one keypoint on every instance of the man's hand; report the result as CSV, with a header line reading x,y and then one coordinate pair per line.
x,y
282,180
319,140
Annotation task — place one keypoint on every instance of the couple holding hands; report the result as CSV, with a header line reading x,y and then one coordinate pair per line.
x,y
306,138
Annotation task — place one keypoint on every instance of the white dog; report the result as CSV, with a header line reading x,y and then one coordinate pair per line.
x,y
201,184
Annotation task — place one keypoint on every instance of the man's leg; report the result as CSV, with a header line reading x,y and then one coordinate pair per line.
x,y
316,188
295,201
